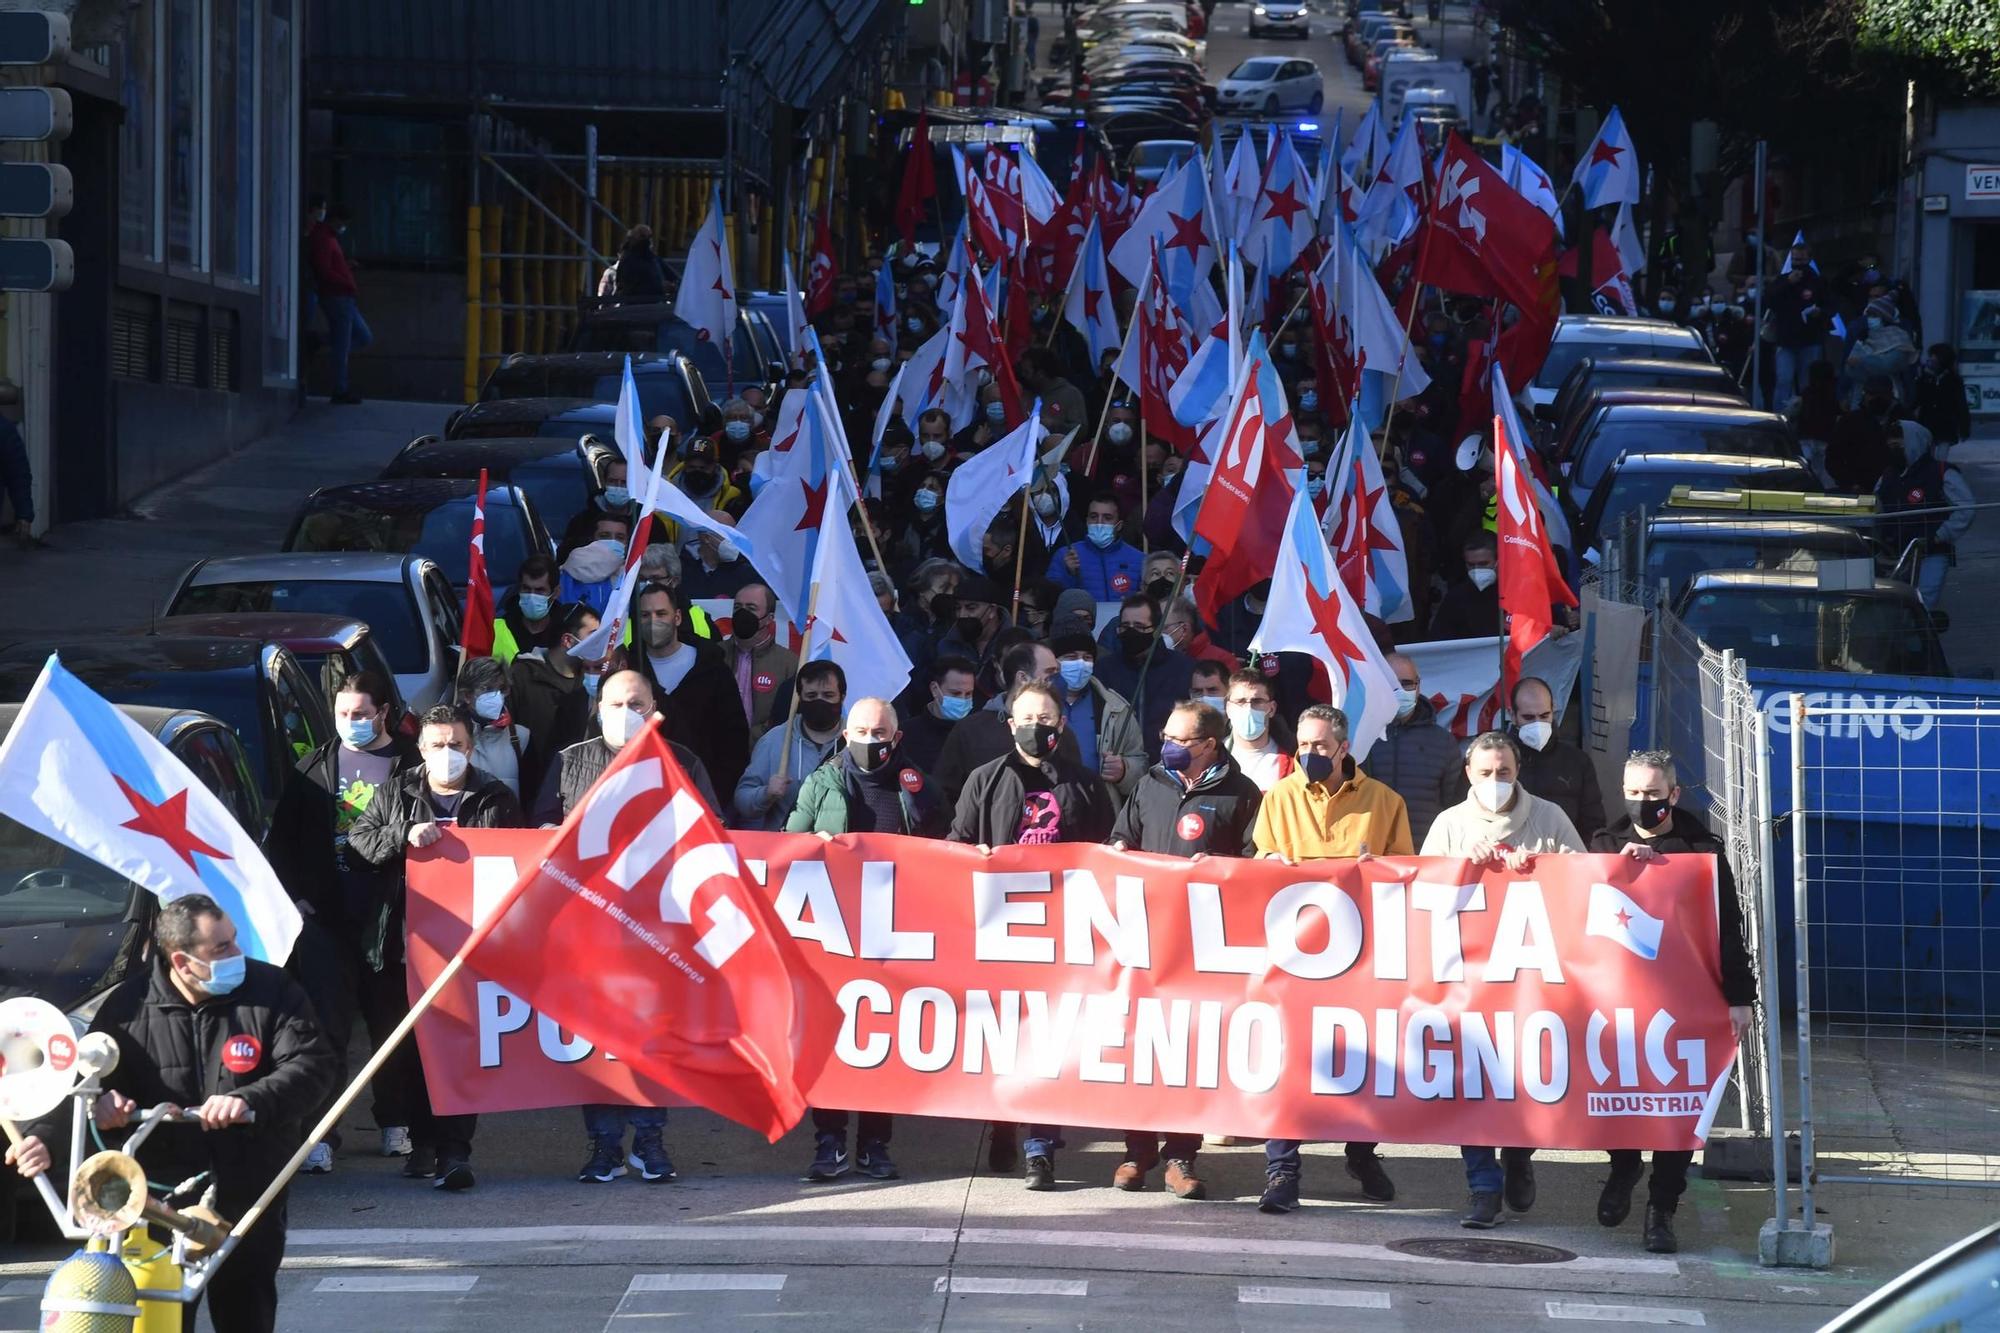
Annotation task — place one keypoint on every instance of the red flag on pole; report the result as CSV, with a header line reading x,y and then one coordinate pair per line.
x,y
640,931
919,185
477,634
1531,582
819,272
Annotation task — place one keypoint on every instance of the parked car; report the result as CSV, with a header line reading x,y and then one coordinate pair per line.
x,y
1630,429
1783,620
408,605
1644,481
1591,376
1280,18
258,690
1605,337
1562,450
427,516
652,327
668,383
554,471
510,418
329,648
1679,547
1270,84
1152,159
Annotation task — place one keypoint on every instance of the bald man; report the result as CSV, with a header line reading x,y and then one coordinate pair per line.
x,y
624,703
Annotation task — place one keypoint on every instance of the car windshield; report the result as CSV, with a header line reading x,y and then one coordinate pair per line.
x,y
558,488
1564,354
535,378
677,336
1803,629
387,608
1255,71
1685,435
1678,560
43,883
1632,488
444,533
1161,154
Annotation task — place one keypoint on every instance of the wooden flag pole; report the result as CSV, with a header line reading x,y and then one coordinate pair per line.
x,y
1021,549
791,719
1103,415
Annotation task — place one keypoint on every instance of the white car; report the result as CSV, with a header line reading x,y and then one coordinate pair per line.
x,y
1267,85
1280,18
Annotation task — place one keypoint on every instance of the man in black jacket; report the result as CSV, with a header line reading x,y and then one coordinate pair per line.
x,y
338,957
231,1041
1470,607
1653,824
1194,802
551,693
413,811
1551,769
695,689
1031,794
988,734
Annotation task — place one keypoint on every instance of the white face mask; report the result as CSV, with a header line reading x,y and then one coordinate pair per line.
x,y
1482,579
1492,793
1406,702
490,705
1248,721
620,723
445,766
1535,735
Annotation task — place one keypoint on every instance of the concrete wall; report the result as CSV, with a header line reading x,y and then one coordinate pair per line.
x,y
418,320
1939,243
165,432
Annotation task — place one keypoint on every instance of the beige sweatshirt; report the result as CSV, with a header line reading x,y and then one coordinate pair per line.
x,y
1529,823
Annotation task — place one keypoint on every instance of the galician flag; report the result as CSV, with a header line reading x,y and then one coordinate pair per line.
x,y
77,770
1608,171
1617,918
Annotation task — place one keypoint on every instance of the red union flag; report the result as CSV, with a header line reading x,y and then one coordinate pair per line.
x,y
478,632
637,930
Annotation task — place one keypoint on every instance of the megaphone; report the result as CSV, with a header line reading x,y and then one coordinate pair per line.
x,y
39,1058
109,1195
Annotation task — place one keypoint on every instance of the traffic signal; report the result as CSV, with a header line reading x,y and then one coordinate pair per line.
x,y
34,114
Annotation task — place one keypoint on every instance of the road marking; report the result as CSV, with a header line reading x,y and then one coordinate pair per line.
x,y
707,1282
1626,1314
960,1285
438,1282
1346,1300
464,1238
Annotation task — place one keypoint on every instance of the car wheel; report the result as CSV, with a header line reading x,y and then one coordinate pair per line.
x,y
1319,100
1271,105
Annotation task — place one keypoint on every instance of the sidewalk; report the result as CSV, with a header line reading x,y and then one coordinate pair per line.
x,y
114,573
1972,644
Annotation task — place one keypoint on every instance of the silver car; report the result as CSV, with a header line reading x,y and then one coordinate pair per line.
x,y
409,606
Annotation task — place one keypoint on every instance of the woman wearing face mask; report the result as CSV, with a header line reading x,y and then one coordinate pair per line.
x,y
498,742
1031,795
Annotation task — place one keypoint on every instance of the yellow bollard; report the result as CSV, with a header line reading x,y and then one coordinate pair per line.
x,y
472,323
489,338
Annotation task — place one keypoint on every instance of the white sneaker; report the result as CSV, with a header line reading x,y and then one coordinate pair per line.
x,y
396,1141
319,1161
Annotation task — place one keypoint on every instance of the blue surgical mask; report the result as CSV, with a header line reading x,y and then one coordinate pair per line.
x,y
617,497
1175,757
1076,672
1101,534
535,605
926,501
996,411
356,732
736,429
913,324
224,974
617,547
954,708
1315,486
1309,400
1120,432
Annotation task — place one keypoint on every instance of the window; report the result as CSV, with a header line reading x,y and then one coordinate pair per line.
x,y
184,134
214,757
280,181
444,606
295,702
388,608
233,136
138,138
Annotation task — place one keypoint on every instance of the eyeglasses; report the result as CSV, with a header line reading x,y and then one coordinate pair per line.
x,y
1189,741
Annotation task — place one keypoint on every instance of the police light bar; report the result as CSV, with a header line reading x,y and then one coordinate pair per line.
x,y
1744,500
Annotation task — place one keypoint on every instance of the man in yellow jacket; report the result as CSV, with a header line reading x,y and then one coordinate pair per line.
x,y
1326,807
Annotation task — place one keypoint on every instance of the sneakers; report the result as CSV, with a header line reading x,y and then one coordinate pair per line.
x,y
1003,1154
874,1162
1519,1177
395,1141
1614,1204
830,1160
1041,1173
454,1175
606,1164
1129,1176
1182,1182
1375,1182
1482,1211
1660,1238
1281,1193
649,1157
319,1161
421,1164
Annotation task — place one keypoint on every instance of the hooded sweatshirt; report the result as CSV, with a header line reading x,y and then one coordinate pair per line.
x,y
1529,824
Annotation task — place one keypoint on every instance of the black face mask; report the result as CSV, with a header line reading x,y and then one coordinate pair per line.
x,y
870,755
944,608
819,714
698,478
970,627
1160,589
1133,641
1036,738
1316,767
1648,812
744,625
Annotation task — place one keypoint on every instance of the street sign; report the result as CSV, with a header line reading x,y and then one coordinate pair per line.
x,y
1982,182
36,266
35,113
35,190
30,37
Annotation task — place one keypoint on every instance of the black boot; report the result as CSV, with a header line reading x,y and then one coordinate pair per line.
x,y
1660,1237
1614,1205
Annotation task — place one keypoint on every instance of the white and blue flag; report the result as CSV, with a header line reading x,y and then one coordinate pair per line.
x,y
1617,918
77,770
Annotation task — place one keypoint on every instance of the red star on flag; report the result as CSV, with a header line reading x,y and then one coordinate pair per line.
x,y
1188,234
1366,502
1624,917
167,821
815,504
1091,296
1605,152
1284,204
1325,613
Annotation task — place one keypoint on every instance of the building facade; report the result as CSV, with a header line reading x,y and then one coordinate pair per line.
x,y
1948,233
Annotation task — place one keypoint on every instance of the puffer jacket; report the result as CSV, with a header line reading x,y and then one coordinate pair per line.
x,y
1688,834
1409,758
1216,816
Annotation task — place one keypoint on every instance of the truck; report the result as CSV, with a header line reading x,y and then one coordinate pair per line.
x,y
1404,70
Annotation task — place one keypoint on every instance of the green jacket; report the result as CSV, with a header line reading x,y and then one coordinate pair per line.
x,y
827,794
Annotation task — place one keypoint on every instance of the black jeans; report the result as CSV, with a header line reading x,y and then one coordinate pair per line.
x,y
243,1295
1147,1148
1670,1173
330,969
874,1126
1281,1156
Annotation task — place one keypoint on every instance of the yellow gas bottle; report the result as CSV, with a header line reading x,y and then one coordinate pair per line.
x,y
153,1271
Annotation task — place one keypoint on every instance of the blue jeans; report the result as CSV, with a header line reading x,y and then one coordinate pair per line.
x,y
1791,363
1930,578
1482,1167
349,331
1281,1156
1041,1141
606,1120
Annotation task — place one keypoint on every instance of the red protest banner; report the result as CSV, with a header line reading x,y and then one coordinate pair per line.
x,y
1399,999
